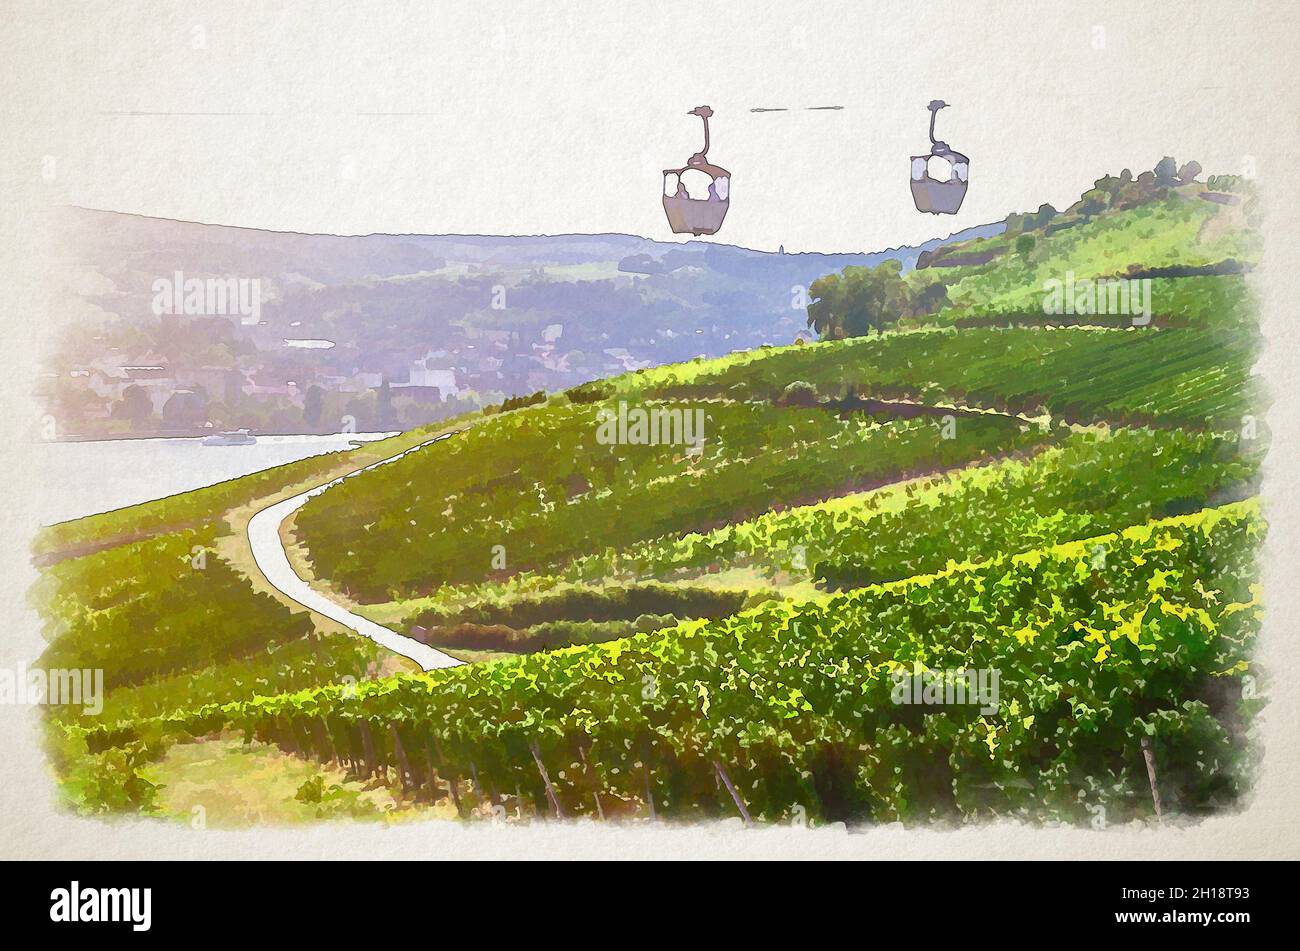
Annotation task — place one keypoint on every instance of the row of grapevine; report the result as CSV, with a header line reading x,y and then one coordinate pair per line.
x,y
538,485
789,709
1153,236
155,607
1093,482
1170,377
1195,302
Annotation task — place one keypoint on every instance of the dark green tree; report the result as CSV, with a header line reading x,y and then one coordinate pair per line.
x,y
1045,214
384,415
1166,171
859,300
134,406
313,404
185,409
1187,174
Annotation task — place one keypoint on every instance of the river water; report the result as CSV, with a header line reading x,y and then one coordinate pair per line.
x,y
83,478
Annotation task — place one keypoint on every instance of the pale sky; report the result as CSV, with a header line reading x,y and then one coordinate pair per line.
x,y
546,118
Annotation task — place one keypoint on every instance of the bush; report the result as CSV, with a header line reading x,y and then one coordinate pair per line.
x,y
593,392
620,603
518,402
798,393
546,636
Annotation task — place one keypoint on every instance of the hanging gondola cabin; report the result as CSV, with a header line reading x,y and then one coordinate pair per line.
x,y
939,179
697,196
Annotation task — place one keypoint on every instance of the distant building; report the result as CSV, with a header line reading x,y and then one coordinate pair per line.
x,y
444,379
362,381
419,394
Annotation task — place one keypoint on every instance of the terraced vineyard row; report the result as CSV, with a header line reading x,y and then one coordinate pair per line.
x,y
538,484
1153,236
1092,482
1086,483
154,607
1197,302
1192,378
795,706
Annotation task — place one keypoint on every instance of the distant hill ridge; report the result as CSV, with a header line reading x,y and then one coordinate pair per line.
x,y
94,228
389,331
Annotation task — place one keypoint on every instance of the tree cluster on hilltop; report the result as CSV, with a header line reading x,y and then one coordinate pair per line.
x,y
859,300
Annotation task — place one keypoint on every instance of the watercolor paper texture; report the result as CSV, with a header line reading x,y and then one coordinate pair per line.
x,y
854,430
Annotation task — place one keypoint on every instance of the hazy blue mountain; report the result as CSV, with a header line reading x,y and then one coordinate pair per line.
x,y
445,320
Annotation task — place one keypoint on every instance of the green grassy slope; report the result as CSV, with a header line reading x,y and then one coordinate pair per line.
x,y
1091,482
1181,231
1169,377
1099,643
537,483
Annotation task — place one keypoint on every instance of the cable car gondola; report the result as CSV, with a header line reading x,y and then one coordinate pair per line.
x,y
700,209
939,196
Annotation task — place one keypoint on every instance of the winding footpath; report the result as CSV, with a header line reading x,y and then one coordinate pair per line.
x,y
273,560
